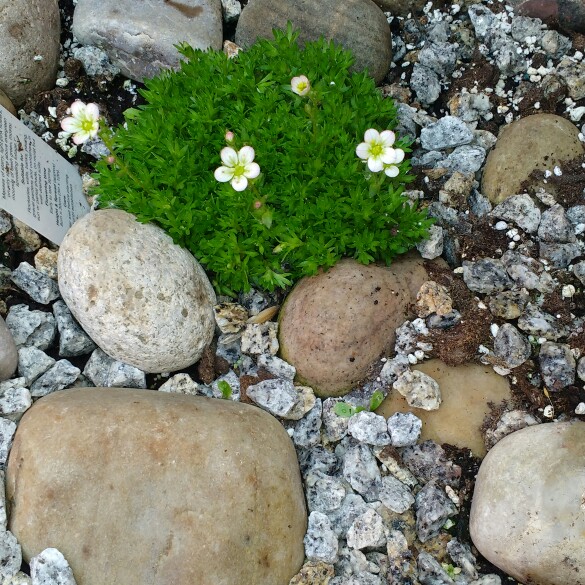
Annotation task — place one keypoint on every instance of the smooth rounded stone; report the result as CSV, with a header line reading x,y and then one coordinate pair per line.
x,y
50,567
193,509
334,325
537,142
140,36
358,25
526,514
6,103
8,352
466,392
143,300
36,284
400,7
28,28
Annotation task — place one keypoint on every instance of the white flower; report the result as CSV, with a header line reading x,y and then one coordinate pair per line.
x,y
83,123
392,170
237,167
378,152
300,85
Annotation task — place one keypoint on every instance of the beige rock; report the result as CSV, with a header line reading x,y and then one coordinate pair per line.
x,y
6,103
27,238
357,25
28,29
537,142
137,486
400,7
46,261
527,513
145,301
466,391
313,573
8,352
334,325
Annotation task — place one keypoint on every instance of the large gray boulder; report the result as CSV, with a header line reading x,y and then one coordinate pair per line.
x,y
527,511
144,300
29,47
139,36
139,486
357,25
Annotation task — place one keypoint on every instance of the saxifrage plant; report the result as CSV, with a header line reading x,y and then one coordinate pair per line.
x,y
267,166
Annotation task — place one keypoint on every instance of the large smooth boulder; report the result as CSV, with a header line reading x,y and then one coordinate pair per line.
x,y
139,36
333,326
535,143
29,47
140,486
357,25
8,352
144,300
527,510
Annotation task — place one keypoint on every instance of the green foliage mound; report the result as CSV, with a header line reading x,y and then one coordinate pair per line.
x,y
314,201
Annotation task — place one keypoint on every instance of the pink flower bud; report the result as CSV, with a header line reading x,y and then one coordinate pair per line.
x,y
257,204
229,136
110,160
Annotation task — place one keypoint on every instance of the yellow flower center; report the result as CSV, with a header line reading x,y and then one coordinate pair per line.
x,y
376,149
87,125
302,86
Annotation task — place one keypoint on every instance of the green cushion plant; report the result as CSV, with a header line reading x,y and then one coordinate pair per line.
x,y
307,198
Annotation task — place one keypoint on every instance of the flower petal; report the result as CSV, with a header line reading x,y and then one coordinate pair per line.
x,y
229,157
239,183
392,171
246,155
70,125
252,170
388,156
223,174
80,137
398,155
77,108
387,137
375,164
363,150
371,135
92,111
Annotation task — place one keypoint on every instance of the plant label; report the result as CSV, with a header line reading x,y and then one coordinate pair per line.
x,y
37,185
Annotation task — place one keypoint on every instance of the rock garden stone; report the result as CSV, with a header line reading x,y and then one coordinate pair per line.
x,y
73,340
10,555
360,468
395,495
144,300
279,397
181,384
313,573
557,365
487,276
432,247
555,226
446,132
430,571
425,83
50,567
369,428
537,142
367,531
419,389
404,429
28,28
6,102
462,556
526,514
233,515
511,346
36,284
7,430
428,461
103,370
307,432
14,399
333,326
31,328
321,542
521,209
359,26
324,493
8,352
140,37
560,255
433,508
33,362
62,374
259,338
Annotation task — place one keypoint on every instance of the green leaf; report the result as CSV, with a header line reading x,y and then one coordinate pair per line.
x,y
344,410
225,389
376,399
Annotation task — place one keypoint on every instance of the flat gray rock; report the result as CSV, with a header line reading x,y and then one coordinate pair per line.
x,y
31,328
51,568
61,375
139,36
73,340
32,362
10,555
104,370
357,25
36,284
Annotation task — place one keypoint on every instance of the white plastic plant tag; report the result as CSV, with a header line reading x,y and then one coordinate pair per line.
x,y
37,185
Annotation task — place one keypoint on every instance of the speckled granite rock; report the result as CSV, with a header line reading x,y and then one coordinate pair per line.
x,y
8,352
194,509
144,301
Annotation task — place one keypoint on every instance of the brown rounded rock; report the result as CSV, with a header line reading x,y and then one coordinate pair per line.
x,y
527,510
28,29
5,102
537,142
357,25
334,325
144,300
139,486
400,7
